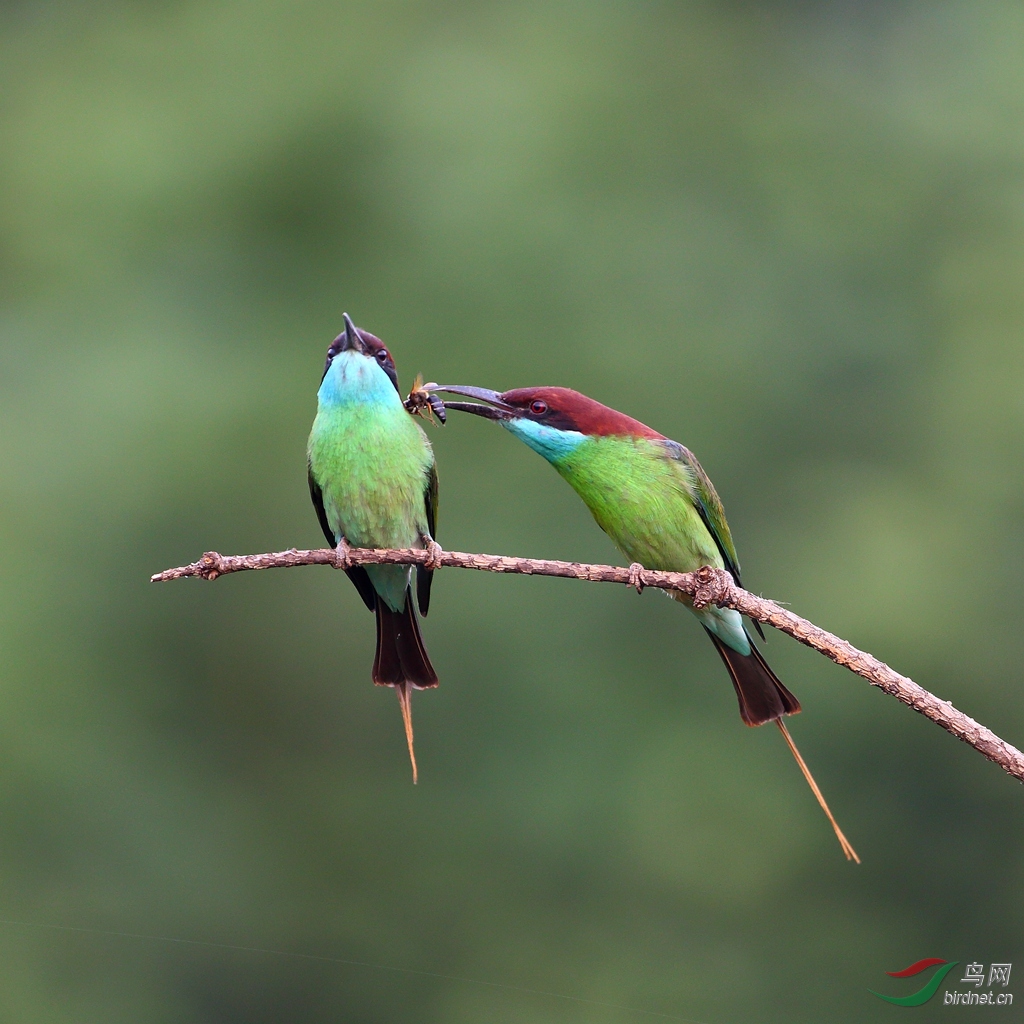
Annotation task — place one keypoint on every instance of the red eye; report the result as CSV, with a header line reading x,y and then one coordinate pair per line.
x,y
383,357
538,408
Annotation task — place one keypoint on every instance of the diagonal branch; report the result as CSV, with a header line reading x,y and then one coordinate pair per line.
x,y
706,586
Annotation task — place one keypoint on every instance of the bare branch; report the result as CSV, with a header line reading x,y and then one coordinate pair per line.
x,y
705,586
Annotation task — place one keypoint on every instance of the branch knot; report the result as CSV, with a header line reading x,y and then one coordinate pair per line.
x,y
713,586
209,565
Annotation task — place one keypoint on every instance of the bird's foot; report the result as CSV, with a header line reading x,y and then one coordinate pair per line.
x,y
434,553
341,555
635,580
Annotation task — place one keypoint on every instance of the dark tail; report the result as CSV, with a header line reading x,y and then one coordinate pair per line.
x,y
401,657
401,660
762,697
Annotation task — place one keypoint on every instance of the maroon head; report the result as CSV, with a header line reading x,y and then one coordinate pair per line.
x,y
352,339
559,409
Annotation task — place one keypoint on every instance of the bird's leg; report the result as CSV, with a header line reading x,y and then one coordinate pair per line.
x,y
635,580
434,553
851,853
341,556
405,701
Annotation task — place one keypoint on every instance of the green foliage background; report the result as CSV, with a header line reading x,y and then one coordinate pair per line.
x,y
790,235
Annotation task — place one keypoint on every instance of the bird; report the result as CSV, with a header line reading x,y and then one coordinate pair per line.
x,y
373,482
654,500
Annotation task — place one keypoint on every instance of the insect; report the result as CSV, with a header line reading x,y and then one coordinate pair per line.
x,y
421,402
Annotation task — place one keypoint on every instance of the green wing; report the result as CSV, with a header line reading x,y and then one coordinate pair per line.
x,y
424,577
708,505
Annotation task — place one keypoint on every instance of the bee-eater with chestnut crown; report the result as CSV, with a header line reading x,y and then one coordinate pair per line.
x,y
653,498
374,484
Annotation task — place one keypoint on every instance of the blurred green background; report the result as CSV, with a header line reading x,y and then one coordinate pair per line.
x,y
790,235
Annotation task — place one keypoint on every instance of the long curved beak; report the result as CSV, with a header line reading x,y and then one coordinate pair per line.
x,y
495,409
353,339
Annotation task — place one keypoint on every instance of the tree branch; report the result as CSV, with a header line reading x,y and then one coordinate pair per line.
x,y
705,586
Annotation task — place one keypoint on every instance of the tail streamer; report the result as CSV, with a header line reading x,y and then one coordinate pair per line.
x,y
405,700
851,853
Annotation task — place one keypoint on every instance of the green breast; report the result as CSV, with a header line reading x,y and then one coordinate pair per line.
x,y
643,500
371,463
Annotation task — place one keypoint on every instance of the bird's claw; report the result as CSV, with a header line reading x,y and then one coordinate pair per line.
x,y
635,579
341,555
434,553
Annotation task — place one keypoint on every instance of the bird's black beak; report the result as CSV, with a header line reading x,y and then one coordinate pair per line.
x,y
495,409
352,338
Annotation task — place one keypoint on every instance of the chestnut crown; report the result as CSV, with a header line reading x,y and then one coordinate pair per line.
x,y
565,409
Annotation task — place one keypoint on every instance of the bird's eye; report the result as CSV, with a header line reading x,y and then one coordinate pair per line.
x,y
538,408
383,357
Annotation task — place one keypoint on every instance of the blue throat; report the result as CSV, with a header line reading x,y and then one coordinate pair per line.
x,y
353,377
553,444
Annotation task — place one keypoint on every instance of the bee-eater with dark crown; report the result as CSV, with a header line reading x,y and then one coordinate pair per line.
x,y
653,498
373,482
